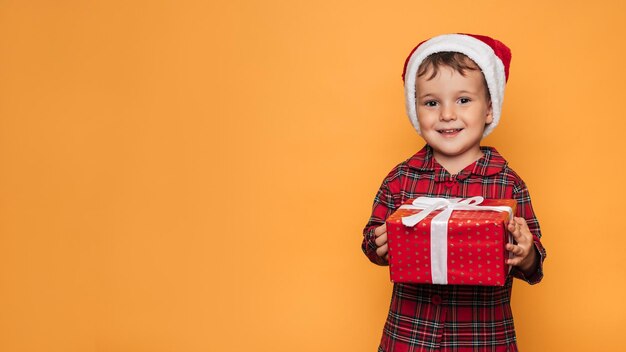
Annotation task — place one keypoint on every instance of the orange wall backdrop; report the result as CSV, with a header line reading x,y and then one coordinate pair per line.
x,y
195,175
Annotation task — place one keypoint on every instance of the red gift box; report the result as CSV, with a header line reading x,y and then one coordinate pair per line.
x,y
450,241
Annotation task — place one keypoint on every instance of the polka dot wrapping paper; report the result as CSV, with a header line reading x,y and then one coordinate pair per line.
x,y
475,253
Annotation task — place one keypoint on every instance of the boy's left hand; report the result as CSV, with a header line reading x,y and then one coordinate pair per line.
x,y
524,253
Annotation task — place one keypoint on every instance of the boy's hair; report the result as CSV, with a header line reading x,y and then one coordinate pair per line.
x,y
456,61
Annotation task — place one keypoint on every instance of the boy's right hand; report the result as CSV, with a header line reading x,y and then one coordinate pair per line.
x,y
381,241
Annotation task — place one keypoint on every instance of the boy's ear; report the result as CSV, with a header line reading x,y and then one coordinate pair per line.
x,y
489,115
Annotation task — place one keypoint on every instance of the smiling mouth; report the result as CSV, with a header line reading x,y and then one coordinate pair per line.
x,y
450,131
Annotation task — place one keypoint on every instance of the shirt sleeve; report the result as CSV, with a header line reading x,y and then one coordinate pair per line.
x,y
382,208
525,210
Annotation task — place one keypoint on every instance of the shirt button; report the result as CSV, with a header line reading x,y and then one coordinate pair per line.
x,y
435,299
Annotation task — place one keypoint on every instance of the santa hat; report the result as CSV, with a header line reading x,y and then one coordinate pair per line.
x,y
492,56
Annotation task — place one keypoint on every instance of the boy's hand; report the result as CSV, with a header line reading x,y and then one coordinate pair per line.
x,y
381,241
524,253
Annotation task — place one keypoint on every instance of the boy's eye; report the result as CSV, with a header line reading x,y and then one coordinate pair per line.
x,y
464,100
430,103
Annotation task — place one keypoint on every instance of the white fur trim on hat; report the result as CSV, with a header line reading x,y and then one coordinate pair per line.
x,y
481,53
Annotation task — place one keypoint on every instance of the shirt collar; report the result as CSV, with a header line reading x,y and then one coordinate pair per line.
x,y
489,164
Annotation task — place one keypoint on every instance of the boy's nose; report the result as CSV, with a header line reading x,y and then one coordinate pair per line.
x,y
447,113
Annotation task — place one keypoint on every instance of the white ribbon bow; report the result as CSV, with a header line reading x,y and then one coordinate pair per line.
x,y
439,226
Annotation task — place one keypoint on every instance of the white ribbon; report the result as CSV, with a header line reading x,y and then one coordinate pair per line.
x,y
439,226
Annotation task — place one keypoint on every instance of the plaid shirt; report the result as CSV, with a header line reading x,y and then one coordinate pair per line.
x,y
450,317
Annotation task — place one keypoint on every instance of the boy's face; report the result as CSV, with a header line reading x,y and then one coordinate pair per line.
x,y
452,112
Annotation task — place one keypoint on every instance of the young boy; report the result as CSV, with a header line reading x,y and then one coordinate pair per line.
x,y
454,87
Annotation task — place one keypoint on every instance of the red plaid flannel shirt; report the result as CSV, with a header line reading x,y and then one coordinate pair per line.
x,y
450,317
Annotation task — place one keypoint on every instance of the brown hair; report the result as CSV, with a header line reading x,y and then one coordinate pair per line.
x,y
456,61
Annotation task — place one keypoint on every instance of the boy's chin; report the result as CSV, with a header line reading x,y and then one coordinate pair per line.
x,y
460,153
456,151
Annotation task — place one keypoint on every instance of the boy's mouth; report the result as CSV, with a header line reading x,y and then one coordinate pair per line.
x,y
450,132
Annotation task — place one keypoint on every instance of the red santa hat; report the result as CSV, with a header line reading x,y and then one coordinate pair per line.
x,y
491,55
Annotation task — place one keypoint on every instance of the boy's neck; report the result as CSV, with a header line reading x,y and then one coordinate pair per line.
x,y
454,164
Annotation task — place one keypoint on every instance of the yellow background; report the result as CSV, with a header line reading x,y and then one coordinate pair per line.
x,y
195,175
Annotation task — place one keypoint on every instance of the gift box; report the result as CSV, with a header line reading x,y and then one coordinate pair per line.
x,y
450,241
